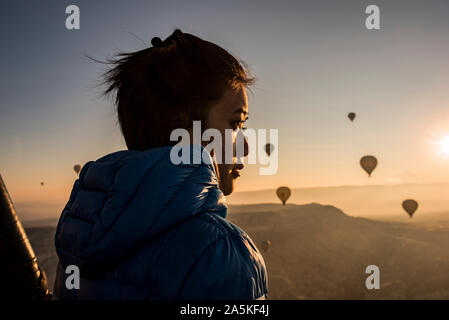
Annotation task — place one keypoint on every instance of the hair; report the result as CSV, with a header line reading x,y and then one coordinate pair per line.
x,y
169,85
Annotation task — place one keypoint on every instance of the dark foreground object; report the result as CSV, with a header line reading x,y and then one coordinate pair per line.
x,y
21,277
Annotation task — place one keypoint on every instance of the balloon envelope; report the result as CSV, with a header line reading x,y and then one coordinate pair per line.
x,y
368,163
283,194
269,148
351,116
265,245
410,206
77,168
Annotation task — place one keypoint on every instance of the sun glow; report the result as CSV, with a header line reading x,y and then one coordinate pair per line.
x,y
443,145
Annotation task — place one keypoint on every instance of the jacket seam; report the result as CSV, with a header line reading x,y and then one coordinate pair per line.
x,y
169,200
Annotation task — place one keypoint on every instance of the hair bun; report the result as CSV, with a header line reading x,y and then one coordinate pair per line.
x,y
156,42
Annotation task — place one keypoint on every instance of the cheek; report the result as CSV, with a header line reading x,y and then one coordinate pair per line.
x,y
222,145
221,122
216,119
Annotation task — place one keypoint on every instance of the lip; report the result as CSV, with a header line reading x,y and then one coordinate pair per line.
x,y
235,174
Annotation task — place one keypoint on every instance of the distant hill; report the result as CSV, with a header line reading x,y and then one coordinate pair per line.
x,y
35,211
50,222
319,252
376,201
369,201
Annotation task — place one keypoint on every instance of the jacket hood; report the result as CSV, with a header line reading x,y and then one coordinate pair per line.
x,y
125,199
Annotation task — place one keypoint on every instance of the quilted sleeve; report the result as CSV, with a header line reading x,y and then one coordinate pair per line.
x,y
231,268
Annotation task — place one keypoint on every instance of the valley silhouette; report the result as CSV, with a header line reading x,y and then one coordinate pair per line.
x,y
319,252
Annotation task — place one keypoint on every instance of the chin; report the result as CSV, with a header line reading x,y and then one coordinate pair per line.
x,y
227,191
227,187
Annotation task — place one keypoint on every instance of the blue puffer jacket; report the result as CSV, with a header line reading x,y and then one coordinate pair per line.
x,y
140,227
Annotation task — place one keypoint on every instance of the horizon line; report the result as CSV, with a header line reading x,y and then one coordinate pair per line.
x,y
348,185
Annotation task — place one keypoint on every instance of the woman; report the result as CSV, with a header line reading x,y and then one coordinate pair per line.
x,y
139,226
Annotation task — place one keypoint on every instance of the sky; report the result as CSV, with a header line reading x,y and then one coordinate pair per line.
x,y
314,62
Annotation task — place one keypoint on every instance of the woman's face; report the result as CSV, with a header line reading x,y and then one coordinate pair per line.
x,y
230,113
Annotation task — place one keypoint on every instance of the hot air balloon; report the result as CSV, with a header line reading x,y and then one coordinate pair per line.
x,y
283,193
269,148
368,163
77,168
351,116
410,206
265,245
42,183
